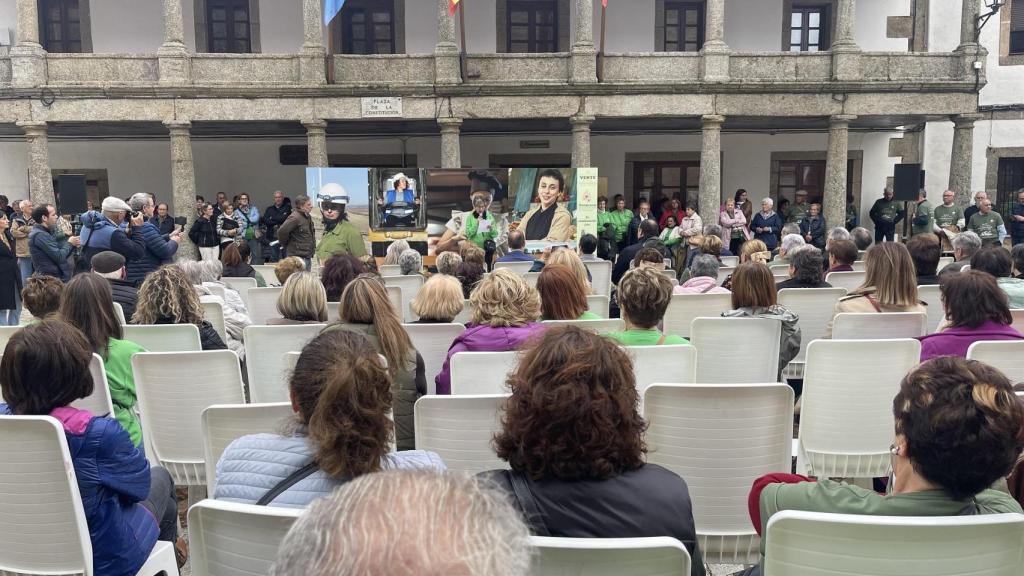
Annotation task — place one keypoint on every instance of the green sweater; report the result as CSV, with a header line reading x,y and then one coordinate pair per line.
x,y
345,238
121,382
640,337
619,219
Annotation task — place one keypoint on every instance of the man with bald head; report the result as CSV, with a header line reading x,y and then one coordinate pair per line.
x,y
973,209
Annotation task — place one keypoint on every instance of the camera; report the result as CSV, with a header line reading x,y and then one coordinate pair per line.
x,y
135,213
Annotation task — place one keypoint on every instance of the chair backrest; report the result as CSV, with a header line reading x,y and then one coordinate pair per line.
x,y
214,314
264,360
242,285
943,262
872,325
730,261
395,297
531,278
267,272
174,388
815,307
1018,319
721,438
598,304
263,304
736,350
724,272
216,290
600,276
5,336
657,556
410,286
859,265
672,364
849,280
814,543
119,312
224,423
669,273
846,421
167,337
42,522
779,268
432,341
475,373
389,270
290,360
602,326
517,267
459,429
234,539
99,402
1007,356
683,308
932,296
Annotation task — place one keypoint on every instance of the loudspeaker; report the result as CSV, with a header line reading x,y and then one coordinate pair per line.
x,y
907,180
71,198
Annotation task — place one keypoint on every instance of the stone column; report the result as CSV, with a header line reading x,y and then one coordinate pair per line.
x,y
584,56
28,58
447,68
969,23
40,178
183,180
451,148
710,198
834,208
715,61
962,157
316,146
581,140
173,60
846,63
313,58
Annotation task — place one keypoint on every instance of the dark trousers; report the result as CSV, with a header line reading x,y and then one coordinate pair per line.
x,y
886,231
1017,239
735,244
162,504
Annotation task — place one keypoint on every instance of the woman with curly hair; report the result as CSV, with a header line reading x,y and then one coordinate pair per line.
x,y
337,272
505,312
341,394
167,297
574,441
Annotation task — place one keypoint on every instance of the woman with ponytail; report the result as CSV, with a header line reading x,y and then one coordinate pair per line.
x,y
341,395
366,309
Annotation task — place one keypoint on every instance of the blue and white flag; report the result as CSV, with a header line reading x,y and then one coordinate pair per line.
x,y
331,9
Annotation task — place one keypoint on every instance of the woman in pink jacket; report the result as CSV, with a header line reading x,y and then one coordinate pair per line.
x,y
734,226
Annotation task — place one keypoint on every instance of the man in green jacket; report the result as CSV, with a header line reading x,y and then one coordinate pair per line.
x,y
923,222
800,209
988,224
340,235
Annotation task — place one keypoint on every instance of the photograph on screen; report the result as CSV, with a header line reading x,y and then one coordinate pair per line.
x,y
398,199
347,189
544,205
467,205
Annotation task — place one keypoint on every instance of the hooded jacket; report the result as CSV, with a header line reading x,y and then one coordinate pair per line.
x,y
157,251
956,341
100,234
700,285
789,340
483,338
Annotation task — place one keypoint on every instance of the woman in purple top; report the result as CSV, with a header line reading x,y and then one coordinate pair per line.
x,y
976,309
505,312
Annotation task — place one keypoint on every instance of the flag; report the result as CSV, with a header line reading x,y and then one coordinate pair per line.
x,y
604,3
453,5
331,9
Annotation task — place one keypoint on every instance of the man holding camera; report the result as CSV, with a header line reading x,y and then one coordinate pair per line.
x,y
102,231
157,250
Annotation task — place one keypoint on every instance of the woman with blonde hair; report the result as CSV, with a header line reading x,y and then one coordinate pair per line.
x,y
167,297
571,260
751,251
439,300
505,312
303,300
563,296
890,284
366,309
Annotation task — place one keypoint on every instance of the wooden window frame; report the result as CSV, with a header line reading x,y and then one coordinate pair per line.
x,y
789,6
531,7
682,6
1010,179
202,28
562,21
652,193
824,13
84,26
339,28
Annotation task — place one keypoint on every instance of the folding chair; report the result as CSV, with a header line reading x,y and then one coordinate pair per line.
x,y
531,278
432,341
517,267
99,402
474,373
466,315
932,296
724,272
849,280
459,429
717,341
395,296
602,326
730,261
875,326
233,539
213,313
598,304
262,304
600,276
656,556
671,364
683,308
225,423
815,307
1006,356
264,363
167,337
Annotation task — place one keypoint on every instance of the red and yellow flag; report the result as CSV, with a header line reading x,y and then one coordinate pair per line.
x,y
604,3
454,5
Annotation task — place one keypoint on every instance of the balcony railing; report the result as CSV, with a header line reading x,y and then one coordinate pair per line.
x,y
84,69
384,69
245,69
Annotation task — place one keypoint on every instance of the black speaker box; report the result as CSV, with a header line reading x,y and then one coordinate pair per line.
x,y
908,179
71,198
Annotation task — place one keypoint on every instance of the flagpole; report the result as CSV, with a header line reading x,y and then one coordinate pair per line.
x,y
462,35
600,54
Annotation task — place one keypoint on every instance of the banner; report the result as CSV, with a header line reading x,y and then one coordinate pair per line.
x,y
586,201
331,9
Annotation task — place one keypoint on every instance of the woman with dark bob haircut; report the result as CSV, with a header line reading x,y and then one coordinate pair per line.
x,y
337,272
574,441
959,429
976,309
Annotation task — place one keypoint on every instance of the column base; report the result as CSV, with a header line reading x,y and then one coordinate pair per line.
x,y
28,66
174,64
715,63
846,64
313,65
447,68
583,66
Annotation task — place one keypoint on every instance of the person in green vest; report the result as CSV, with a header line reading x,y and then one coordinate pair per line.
x,y
886,214
643,295
924,221
800,209
620,217
988,224
340,235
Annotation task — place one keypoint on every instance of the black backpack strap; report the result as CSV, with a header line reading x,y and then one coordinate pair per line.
x,y
288,482
528,504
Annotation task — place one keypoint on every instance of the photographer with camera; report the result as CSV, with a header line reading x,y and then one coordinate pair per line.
x,y
157,250
102,231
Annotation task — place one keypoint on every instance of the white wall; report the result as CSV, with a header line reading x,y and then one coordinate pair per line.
x,y
753,26
9,18
629,26
420,27
126,26
280,27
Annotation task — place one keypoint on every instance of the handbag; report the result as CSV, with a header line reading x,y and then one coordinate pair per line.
x,y
528,504
290,481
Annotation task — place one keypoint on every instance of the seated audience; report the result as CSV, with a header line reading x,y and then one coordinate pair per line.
x,y
285,267
789,243
505,311
648,230
751,251
167,297
394,252
439,300
703,277
337,272
889,284
87,305
41,295
303,300
650,257
804,269
1017,253
373,525
754,296
110,265
862,238
644,295
341,394
711,245
366,310
835,235
448,263
573,261
205,277
976,309
841,255
965,245
996,261
572,435
925,251
562,295
588,248
959,430
517,247
410,262
128,505
236,260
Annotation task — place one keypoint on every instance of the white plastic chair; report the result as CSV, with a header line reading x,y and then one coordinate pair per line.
x,y
99,402
242,285
6,332
42,522
389,270
119,312
466,315
719,339
815,543
600,276
264,363
267,272
262,304
720,438
174,388
410,286
846,421
779,269
459,429
730,261
815,307
932,296
849,280
874,326
234,539
598,304
602,326
166,337
859,265
432,341
214,314
723,273
225,423
672,364
669,273
217,290
1018,320
943,262
517,267
683,308
1006,356
475,373
395,297
657,556
290,360
531,278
